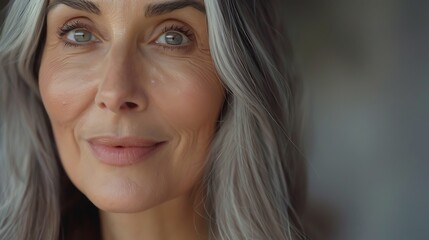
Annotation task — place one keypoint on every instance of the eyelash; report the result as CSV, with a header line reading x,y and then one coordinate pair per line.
x,y
181,29
70,26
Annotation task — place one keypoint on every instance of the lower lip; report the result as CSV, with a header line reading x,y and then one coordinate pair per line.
x,y
122,156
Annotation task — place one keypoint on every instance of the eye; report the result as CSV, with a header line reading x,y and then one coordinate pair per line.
x,y
80,36
173,38
76,33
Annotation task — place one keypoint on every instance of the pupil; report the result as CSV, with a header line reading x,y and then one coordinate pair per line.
x,y
82,36
174,38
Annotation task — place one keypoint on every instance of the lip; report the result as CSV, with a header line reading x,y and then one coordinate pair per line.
x,y
123,151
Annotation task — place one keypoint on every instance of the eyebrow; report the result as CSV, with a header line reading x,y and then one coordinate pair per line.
x,y
152,9
83,5
156,9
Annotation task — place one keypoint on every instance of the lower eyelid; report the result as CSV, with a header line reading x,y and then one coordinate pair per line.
x,y
180,49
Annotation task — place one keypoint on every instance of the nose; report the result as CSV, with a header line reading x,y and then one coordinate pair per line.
x,y
120,89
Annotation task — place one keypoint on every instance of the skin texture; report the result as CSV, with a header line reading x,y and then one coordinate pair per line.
x,y
127,81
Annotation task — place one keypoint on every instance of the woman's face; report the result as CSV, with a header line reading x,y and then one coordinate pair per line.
x,y
133,97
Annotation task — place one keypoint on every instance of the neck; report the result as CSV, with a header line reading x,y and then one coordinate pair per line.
x,y
176,219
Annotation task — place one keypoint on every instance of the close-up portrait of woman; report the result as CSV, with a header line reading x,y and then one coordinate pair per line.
x,y
149,119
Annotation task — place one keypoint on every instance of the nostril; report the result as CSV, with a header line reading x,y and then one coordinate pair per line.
x,y
130,105
102,105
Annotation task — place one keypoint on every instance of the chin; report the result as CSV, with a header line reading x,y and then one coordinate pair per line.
x,y
122,197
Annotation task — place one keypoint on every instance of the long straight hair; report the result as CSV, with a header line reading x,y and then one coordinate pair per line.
x,y
255,176
30,190
254,179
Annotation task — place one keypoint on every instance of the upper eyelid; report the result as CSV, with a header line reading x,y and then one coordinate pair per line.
x,y
73,25
92,26
185,30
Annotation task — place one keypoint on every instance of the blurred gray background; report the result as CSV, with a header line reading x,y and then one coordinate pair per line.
x,y
365,67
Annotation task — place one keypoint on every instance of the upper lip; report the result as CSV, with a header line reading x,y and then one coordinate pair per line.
x,y
110,141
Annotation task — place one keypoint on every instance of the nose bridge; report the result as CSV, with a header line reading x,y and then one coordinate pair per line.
x,y
118,66
122,52
120,87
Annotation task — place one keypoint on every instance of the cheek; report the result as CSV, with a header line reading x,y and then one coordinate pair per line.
x,y
189,94
66,92
67,95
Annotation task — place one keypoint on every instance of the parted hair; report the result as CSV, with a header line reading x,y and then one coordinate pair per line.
x,y
254,182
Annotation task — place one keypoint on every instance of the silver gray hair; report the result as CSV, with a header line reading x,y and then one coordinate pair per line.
x,y
255,175
255,178
30,189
